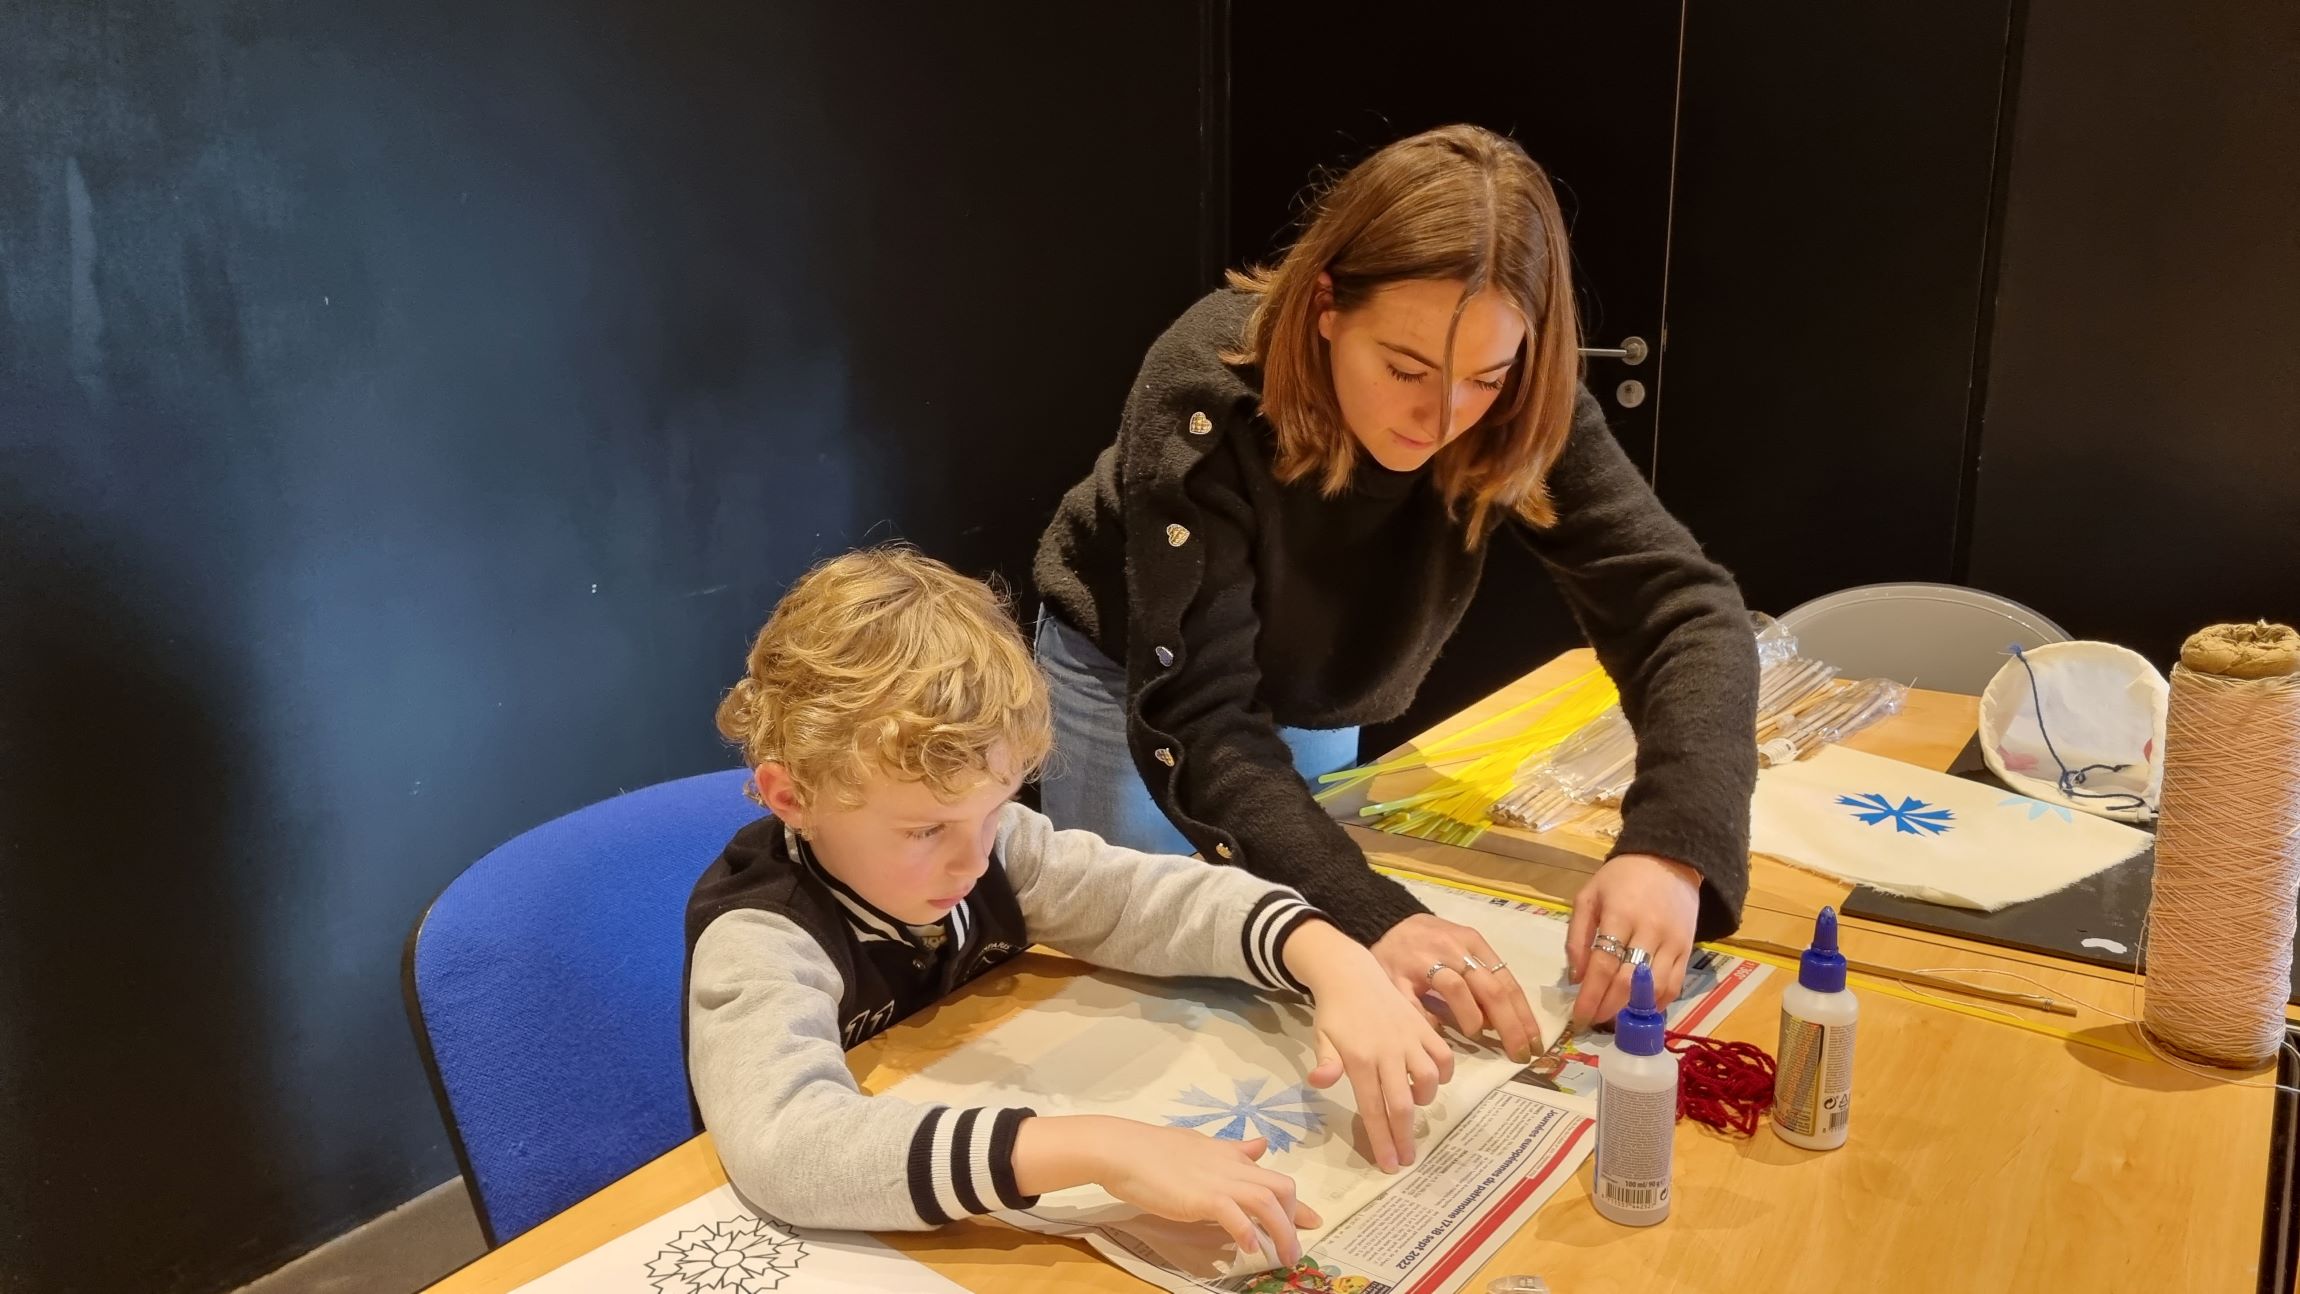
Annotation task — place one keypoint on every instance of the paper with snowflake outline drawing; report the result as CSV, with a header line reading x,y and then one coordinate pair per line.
x,y
741,1255
719,1244
1909,830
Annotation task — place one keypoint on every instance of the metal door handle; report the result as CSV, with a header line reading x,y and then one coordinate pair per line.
x,y
1632,350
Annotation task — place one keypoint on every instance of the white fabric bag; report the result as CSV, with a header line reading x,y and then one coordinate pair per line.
x,y
2103,724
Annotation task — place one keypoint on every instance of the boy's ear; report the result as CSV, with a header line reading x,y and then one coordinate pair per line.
x,y
780,793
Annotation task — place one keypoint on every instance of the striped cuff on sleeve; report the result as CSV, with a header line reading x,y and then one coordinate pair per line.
x,y
962,1164
1269,923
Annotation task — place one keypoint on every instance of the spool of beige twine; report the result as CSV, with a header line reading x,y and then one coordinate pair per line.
x,y
2219,935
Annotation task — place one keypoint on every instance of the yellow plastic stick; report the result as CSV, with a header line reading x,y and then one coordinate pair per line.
x,y
1457,808
1581,680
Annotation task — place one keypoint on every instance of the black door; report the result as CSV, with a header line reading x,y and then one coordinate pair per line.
x,y
1590,91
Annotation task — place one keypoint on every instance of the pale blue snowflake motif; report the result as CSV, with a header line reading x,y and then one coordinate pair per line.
x,y
2036,808
1911,816
1285,1116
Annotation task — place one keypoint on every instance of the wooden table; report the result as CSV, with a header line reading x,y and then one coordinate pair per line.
x,y
1984,1155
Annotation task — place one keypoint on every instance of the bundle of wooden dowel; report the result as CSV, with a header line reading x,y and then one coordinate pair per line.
x,y
1801,705
1829,713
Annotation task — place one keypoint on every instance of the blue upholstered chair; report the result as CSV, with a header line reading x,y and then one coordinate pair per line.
x,y
544,986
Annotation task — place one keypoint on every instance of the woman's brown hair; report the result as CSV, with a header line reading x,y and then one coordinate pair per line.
x,y
1458,203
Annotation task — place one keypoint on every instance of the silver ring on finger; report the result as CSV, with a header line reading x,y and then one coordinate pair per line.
x,y
1636,957
1610,945
1469,962
1432,973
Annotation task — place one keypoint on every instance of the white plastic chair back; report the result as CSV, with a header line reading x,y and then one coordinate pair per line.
x,y
1939,636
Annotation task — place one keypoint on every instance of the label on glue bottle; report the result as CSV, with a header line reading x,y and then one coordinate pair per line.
x,y
1636,1112
1635,1129
1813,1089
1814,1097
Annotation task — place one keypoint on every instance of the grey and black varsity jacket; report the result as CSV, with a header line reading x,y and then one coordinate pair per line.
x,y
787,968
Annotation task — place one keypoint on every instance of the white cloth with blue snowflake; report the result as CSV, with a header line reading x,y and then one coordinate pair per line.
x,y
1911,831
1228,1060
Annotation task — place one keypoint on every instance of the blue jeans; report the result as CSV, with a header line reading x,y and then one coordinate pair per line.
x,y
1091,782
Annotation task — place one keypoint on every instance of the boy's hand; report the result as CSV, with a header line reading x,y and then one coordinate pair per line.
x,y
1191,1177
1370,1032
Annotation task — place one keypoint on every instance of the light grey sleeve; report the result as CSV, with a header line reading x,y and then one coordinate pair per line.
x,y
798,1138
1152,914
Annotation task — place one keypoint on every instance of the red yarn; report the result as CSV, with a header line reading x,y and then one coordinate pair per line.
x,y
1725,1085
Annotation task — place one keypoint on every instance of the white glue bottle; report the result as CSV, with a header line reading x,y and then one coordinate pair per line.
x,y
1813,1090
1636,1112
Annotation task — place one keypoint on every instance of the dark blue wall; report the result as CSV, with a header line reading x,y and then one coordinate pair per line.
x,y
406,412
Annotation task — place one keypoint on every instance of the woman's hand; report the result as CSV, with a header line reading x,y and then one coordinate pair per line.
x,y
1394,1059
1174,1173
1645,902
1424,953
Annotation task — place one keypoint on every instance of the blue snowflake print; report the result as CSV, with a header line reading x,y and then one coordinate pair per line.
x,y
1912,817
1285,1116
2036,808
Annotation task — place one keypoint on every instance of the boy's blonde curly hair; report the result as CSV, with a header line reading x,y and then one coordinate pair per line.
x,y
888,660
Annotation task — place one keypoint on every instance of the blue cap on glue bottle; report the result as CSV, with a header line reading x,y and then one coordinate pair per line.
x,y
1642,1028
1822,968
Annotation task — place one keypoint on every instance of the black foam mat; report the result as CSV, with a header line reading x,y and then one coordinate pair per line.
x,y
2107,907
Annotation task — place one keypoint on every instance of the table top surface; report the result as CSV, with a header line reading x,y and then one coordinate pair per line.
x,y
1991,1148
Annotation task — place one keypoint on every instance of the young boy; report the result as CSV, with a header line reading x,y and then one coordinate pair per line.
x,y
891,710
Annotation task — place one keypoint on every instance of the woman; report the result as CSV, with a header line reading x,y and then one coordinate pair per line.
x,y
1294,517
